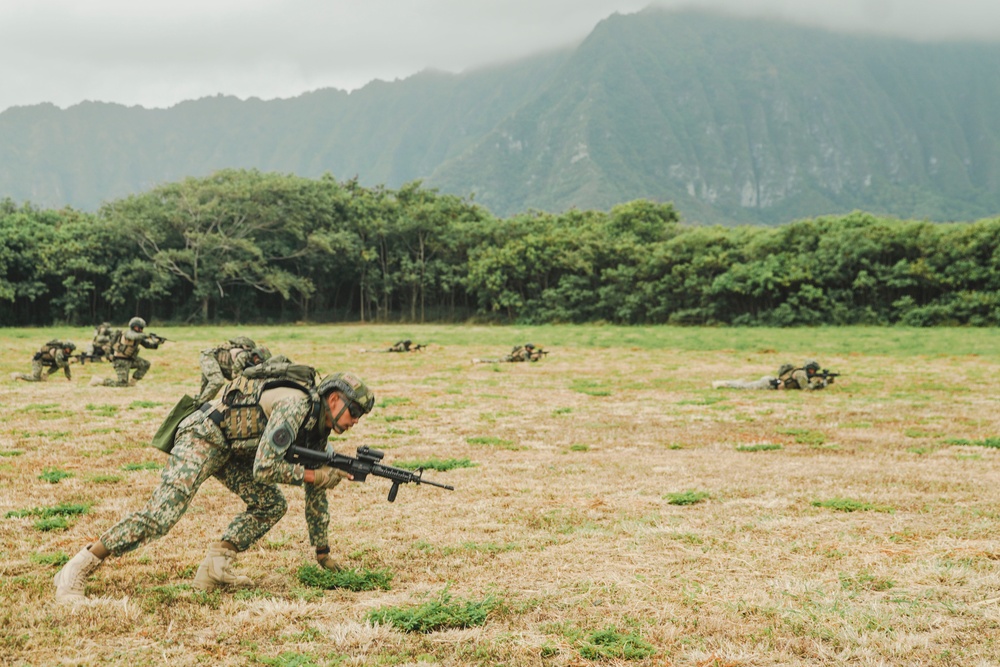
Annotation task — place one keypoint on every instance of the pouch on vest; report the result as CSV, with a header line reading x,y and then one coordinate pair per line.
x,y
164,437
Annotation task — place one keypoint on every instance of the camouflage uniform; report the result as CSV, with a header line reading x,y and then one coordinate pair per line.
x,y
250,468
222,364
789,377
126,356
53,355
401,346
101,345
526,352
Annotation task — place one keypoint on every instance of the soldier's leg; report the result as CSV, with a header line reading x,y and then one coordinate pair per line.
x,y
265,504
141,366
36,373
121,367
763,383
199,452
317,516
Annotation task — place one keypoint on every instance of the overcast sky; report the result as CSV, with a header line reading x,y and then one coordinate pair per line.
x,y
156,53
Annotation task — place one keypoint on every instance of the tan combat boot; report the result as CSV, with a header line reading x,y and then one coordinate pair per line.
x,y
71,579
216,570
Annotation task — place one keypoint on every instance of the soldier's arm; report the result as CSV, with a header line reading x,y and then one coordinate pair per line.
x,y
62,361
287,418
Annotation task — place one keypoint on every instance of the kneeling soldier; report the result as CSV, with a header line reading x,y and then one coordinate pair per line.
x,y
126,355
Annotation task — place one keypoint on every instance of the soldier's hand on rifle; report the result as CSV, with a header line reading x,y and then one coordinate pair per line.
x,y
326,477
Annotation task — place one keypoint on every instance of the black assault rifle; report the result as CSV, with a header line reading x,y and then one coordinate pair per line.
x,y
367,463
83,357
160,338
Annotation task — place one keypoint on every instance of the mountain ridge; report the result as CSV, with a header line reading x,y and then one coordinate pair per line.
x,y
735,120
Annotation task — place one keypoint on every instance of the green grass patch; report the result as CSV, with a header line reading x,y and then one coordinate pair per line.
x,y
804,436
58,559
865,581
62,509
105,479
353,580
53,475
289,659
704,400
51,523
985,442
590,388
492,441
760,447
579,448
849,505
145,465
610,644
388,402
562,411
441,465
11,452
140,405
103,410
438,614
686,497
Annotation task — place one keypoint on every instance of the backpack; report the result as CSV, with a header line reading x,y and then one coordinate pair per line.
x,y
281,367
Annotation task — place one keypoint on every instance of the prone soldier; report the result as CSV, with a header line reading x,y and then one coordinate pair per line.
x,y
526,352
808,376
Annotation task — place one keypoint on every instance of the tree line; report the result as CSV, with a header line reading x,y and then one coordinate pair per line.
x,y
246,246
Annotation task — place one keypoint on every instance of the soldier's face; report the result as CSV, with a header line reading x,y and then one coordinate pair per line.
x,y
340,418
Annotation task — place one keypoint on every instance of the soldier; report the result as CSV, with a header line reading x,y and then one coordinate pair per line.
x,y
53,355
401,346
226,362
241,440
789,377
526,352
125,355
100,347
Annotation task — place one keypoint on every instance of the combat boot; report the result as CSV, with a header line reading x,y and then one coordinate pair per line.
x,y
71,579
216,569
96,382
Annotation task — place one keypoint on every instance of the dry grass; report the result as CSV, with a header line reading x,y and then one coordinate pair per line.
x,y
567,519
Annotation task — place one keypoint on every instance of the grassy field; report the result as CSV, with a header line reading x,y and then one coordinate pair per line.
x,y
610,507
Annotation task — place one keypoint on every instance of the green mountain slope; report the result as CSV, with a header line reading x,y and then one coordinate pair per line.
x,y
738,120
734,120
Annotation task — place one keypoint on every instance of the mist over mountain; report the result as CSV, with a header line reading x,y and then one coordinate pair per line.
x,y
734,120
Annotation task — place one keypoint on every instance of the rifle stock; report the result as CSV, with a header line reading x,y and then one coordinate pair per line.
x,y
366,463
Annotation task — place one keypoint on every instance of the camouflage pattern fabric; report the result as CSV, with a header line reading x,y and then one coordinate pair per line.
x,y
122,368
201,451
59,360
799,379
766,382
219,366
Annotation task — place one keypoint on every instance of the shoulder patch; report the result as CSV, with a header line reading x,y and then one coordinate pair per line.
x,y
283,437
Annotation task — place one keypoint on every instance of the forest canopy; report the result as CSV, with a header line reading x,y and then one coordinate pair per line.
x,y
247,246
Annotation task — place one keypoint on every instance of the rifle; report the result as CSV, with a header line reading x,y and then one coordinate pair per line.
x,y
83,358
827,374
367,463
418,347
160,338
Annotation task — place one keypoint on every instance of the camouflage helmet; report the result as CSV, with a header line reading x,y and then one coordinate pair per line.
x,y
351,386
529,346
785,368
137,323
811,367
260,354
68,345
244,342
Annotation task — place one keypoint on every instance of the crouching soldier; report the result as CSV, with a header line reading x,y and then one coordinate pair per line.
x,y
125,355
241,440
52,356
226,363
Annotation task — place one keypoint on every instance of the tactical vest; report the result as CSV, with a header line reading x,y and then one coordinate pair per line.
x,y
47,353
123,346
244,419
787,381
